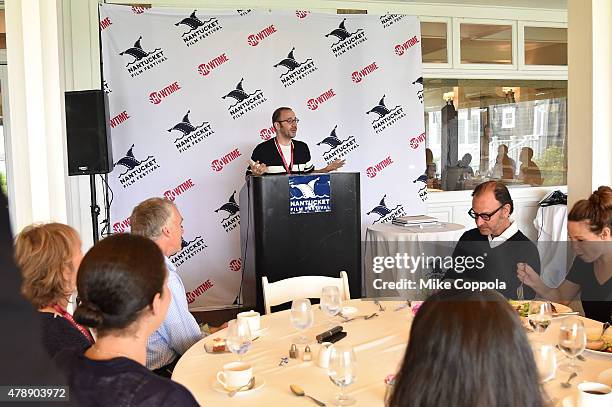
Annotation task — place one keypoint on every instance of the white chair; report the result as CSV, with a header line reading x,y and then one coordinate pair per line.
x,y
289,289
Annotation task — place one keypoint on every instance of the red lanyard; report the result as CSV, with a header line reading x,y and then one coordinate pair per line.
x,y
68,317
278,148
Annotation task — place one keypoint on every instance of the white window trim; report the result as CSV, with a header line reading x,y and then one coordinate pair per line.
x,y
521,46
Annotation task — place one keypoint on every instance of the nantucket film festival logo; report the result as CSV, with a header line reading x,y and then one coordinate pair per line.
x,y
245,102
421,182
197,29
135,170
389,19
385,117
418,83
338,148
188,134
232,210
295,70
309,194
386,214
143,60
188,250
346,40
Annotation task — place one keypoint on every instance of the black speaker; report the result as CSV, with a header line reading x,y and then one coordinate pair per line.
x,y
88,138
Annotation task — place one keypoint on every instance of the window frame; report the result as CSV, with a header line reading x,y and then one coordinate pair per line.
x,y
521,38
482,21
449,43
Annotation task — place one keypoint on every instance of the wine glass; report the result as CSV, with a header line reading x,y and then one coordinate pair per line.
x,y
331,303
539,315
572,341
238,339
302,317
342,372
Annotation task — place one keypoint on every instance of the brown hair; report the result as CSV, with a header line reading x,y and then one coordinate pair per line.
x,y
502,195
43,252
597,210
277,113
150,216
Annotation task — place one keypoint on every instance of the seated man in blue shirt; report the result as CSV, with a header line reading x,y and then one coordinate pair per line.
x,y
159,220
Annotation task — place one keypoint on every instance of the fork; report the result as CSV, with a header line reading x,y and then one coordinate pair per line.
x,y
366,317
519,292
380,307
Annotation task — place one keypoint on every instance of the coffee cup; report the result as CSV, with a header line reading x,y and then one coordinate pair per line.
x,y
235,375
252,318
591,394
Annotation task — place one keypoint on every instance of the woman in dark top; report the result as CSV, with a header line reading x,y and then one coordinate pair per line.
x,y
590,230
49,256
123,296
467,349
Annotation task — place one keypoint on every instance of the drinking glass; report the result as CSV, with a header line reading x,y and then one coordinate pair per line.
x,y
302,317
342,372
572,341
331,303
539,315
238,339
546,361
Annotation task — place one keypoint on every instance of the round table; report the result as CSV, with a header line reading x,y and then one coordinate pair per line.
x,y
379,345
385,240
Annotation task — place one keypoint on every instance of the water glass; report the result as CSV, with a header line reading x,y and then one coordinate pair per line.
x,y
546,361
238,339
331,303
572,341
539,315
342,372
302,317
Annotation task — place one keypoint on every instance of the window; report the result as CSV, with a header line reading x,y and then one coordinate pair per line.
x,y
485,43
433,42
519,137
545,46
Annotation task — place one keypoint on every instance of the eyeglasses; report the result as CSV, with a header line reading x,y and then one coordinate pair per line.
x,y
485,216
290,121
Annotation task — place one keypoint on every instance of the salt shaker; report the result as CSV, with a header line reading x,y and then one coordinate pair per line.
x,y
294,353
307,356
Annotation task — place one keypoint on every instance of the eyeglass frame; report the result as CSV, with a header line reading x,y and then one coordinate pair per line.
x,y
488,216
290,120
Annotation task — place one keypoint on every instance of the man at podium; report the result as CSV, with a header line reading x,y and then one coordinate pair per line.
x,y
282,154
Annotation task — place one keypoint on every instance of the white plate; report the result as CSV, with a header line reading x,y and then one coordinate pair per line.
x,y
346,311
218,387
598,352
605,377
260,332
569,401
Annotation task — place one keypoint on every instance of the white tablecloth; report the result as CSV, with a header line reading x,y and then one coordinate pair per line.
x,y
379,345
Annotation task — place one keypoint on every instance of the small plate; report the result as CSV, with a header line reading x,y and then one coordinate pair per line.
x,y
598,352
346,311
569,401
218,387
605,377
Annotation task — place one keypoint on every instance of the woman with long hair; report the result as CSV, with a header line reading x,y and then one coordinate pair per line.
x,y
590,230
123,296
467,349
49,256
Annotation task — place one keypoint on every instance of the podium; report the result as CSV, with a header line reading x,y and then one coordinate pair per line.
x,y
279,244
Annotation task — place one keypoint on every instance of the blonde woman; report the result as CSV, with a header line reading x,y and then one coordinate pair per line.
x,y
49,256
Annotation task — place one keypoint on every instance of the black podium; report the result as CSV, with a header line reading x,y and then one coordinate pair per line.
x,y
279,244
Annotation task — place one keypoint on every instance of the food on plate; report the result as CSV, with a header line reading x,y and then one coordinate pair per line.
x,y
601,344
219,345
521,307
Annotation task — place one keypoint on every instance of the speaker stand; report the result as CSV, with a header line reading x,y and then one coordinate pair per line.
x,y
95,209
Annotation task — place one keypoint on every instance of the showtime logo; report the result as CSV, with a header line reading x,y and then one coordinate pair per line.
x,y
373,171
120,118
235,265
120,227
157,96
301,13
400,49
204,69
313,104
218,165
255,39
105,23
138,9
358,76
267,134
201,289
174,193
416,141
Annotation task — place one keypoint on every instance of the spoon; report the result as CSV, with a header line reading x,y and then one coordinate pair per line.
x,y
298,391
247,386
567,384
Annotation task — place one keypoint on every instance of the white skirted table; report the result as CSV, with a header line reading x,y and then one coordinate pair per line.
x,y
379,344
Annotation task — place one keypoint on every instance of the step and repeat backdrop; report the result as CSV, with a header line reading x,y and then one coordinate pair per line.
x,y
191,93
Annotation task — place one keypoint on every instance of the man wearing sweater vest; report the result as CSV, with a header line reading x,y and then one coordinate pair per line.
x,y
496,243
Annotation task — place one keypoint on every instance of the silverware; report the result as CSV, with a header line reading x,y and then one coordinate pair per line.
x,y
562,314
567,384
519,292
298,391
606,325
247,386
380,307
375,314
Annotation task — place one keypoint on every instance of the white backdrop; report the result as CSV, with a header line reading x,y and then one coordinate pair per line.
x,y
191,94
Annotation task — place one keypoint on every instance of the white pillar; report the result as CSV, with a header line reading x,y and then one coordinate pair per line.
x,y
35,72
589,97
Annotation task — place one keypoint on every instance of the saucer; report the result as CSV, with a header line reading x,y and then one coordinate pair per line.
x,y
569,401
218,387
605,377
260,332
